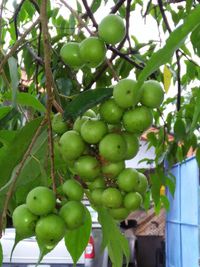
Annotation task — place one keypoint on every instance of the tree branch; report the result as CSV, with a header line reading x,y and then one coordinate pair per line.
x,y
117,6
90,14
48,84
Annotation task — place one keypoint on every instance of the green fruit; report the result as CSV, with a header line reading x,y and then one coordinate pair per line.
x,y
73,190
137,120
96,196
50,230
79,122
71,145
87,167
58,125
70,53
93,51
126,93
113,147
112,29
112,198
111,112
152,94
93,130
112,169
41,200
24,221
90,113
132,143
132,201
99,182
142,184
119,214
73,213
128,179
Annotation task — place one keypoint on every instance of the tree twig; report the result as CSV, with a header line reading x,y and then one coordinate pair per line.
x,y
117,6
90,14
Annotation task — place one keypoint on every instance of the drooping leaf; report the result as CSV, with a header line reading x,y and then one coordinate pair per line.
x,y
26,99
175,40
196,114
167,75
116,243
170,182
4,111
95,5
165,202
76,240
12,62
7,136
7,117
86,100
179,129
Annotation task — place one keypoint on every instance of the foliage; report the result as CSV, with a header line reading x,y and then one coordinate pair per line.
x,y
26,98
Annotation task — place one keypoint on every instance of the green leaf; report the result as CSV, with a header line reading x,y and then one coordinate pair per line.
x,y
116,243
7,136
4,111
175,40
170,182
85,101
198,156
156,184
77,240
12,62
9,116
1,255
72,23
165,202
95,5
189,5
179,129
26,99
196,114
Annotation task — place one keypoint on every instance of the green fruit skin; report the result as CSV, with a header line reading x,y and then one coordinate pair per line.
x,y
92,51
50,230
112,29
99,182
58,125
152,94
96,196
79,122
93,130
41,200
137,120
132,201
132,143
119,214
87,167
112,169
71,145
113,147
70,53
73,190
111,198
90,113
126,93
110,112
24,221
73,213
142,184
128,179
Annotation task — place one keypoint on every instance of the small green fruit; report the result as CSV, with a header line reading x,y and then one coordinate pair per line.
x,y
112,198
128,179
132,201
110,112
73,190
70,53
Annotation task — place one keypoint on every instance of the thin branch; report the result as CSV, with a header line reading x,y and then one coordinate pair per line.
x,y
128,11
1,18
90,14
17,44
17,173
15,17
49,84
117,6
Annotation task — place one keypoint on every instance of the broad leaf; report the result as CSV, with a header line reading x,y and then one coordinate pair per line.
x,y
4,111
7,136
6,117
196,114
12,62
175,40
86,100
76,240
179,129
95,5
189,5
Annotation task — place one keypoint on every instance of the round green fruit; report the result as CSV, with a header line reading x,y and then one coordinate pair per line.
x,y
41,200
87,167
79,122
50,230
128,179
71,145
112,169
70,54
99,182
93,130
73,213
96,196
152,94
24,221
137,120
112,198
119,214
110,112
113,147
58,125
90,113
126,93
142,184
73,190
132,201
92,51
112,29
132,143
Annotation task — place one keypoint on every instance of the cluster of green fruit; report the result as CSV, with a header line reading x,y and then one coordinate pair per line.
x,y
40,216
92,51
97,145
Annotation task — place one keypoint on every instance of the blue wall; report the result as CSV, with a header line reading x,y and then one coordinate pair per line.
x,y
182,225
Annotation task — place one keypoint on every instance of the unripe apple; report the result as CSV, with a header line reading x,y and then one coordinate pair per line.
x,y
112,198
73,190
110,112
128,179
79,122
58,124
90,113
112,169
99,182
132,143
70,53
96,196
132,201
142,184
119,214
